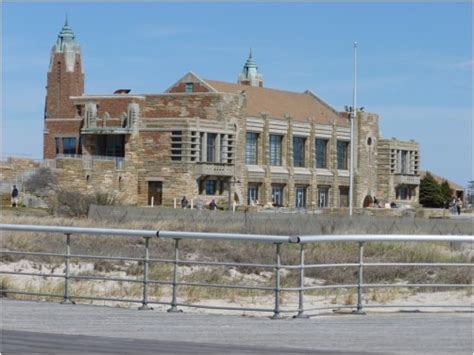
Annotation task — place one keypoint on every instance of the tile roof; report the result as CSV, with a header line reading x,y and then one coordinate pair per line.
x,y
278,103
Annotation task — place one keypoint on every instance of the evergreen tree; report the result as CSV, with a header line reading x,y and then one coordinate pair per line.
x,y
446,193
470,192
430,192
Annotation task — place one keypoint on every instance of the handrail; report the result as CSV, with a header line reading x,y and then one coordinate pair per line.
x,y
385,238
152,233
176,283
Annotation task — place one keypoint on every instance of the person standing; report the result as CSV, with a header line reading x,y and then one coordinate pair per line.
x,y
184,202
459,205
213,205
14,196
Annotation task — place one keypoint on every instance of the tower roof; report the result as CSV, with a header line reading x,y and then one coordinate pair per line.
x,y
66,37
250,75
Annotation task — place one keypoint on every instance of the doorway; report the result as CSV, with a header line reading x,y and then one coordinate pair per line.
x,y
155,192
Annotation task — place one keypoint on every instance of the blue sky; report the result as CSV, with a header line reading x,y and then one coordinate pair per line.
x,y
414,61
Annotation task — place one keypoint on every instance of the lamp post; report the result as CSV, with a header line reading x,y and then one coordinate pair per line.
x,y
352,118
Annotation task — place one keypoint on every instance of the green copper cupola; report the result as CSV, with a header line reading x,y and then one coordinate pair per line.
x,y
250,75
67,44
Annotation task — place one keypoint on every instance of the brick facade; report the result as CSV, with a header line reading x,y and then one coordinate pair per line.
x,y
192,141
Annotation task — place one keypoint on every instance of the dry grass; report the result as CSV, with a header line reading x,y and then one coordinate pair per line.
x,y
228,252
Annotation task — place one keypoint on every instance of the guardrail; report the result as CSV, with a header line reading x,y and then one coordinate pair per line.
x,y
277,266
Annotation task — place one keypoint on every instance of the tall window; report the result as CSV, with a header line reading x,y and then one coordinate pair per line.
x,y
323,196
321,153
277,195
211,147
298,151
251,148
343,196
342,147
300,197
252,194
69,145
404,167
275,149
189,87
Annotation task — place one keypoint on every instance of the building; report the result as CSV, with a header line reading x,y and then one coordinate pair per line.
x,y
209,139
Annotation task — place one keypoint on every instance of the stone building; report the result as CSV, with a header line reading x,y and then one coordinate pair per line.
x,y
209,139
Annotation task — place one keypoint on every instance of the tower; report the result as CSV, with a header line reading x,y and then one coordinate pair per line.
x,y
62,122
65,76
250,75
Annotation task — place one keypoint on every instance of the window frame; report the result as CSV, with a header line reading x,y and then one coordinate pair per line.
x,y
342,161
275,149
324,163
251,148
299,149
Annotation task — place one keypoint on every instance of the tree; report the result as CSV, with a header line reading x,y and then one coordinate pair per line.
x,y
446,193
470,192
430,192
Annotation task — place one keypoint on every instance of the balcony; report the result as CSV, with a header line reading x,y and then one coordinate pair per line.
x,y
400,179
88,160
216,169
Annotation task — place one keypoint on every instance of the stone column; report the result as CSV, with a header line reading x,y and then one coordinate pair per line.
x,y
218,149
204,147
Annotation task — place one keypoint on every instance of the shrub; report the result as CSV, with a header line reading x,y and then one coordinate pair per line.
x,y
43,179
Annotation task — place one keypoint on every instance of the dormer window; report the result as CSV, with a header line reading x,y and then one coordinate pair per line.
x,y
189,87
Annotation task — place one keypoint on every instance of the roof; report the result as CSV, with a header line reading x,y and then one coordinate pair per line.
x,y
279,103
440,180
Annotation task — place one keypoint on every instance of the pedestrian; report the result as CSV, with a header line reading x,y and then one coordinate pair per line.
x,y
213,205
459,205
453,206
376,202
184,202
14,196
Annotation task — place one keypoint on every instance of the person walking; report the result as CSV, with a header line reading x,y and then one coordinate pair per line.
x,y
14,196
184,202
452,205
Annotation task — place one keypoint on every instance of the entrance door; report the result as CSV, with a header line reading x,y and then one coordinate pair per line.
x,y
155,191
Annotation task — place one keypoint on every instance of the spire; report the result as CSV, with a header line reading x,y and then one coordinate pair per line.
x,y
65,37
250,75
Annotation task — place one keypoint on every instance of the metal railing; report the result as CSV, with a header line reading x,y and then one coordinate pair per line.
x,y
277,266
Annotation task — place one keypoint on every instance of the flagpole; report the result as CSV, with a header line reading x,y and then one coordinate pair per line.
x,y
352,118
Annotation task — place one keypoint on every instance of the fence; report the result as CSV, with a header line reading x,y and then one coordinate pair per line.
x,y
277,266
285,223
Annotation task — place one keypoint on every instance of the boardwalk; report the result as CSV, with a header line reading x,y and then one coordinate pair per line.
x,y
108,329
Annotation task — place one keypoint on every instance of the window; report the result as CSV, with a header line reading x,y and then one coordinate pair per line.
x,y
342,148
189,87
275,149
69,145
343,196
251,148
405,193
210,187
211,147
176,145
57,143
300,197
277,195
252,194
298,151
323,196
404,168
321,153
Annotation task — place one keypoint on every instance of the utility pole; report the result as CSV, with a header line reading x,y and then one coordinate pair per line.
x,y
352,118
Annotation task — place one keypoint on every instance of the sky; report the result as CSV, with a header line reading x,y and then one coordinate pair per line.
x,y
414,61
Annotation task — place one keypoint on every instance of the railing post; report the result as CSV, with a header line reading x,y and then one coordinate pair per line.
x,y
144,305
66,299
276,312
301,291
360,281
174,302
